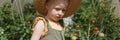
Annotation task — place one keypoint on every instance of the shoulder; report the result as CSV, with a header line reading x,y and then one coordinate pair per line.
x,y
38,29
39,25
39,22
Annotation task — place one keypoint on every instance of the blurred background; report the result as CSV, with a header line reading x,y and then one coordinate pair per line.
x,y
95,20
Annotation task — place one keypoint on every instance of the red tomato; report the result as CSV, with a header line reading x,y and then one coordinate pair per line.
x,y
95,29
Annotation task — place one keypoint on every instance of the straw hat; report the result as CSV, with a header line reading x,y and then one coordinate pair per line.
x,y
72,7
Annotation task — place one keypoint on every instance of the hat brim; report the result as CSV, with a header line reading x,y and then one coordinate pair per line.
x,y
73,6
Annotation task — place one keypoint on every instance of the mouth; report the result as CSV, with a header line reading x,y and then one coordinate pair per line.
x,y
58,16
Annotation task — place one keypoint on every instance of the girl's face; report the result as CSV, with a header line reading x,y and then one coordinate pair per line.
x,y
56,11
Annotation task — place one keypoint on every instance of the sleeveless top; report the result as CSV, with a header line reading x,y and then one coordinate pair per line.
x,y
54,34
51,34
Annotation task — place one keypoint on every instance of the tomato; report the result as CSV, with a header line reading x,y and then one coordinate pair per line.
x,y
95,29
93,22
101,34
76,34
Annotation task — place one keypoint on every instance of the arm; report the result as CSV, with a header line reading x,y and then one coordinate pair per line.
x,y
39,27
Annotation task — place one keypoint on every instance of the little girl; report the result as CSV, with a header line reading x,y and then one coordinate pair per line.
x,y
51,26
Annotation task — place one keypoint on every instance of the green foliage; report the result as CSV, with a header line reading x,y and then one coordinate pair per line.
x,y
94,13
14,26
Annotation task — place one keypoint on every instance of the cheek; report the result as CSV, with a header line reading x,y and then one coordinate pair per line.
x,y
63,14
53,12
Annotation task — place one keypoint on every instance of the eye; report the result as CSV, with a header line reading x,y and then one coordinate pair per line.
x,y
57,9
64,10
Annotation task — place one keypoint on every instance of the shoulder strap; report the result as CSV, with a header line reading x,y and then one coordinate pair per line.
x,y
45,25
